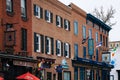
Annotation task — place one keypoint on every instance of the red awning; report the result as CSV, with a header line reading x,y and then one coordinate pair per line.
x,y
27,76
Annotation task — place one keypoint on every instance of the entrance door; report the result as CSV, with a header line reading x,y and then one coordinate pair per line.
x,y
59,76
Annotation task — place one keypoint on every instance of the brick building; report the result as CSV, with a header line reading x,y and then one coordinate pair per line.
x,y
52,40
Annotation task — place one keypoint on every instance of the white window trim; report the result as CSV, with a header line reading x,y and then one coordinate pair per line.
x,y
49,50
49,16
59,47
23,13
59,20
9,4
38,11
39,42
67,49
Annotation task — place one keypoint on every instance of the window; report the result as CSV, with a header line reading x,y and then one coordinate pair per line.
x,y
49,45
75,73
38,11
38,43
107,42
9,5
76,50
84,32
49,76
58,21
96,54
48,16
100,37
66,24
90,33
23,8
24,39
9,27
58,48
67,75
96,37
82,73
66,50
84,52
75,27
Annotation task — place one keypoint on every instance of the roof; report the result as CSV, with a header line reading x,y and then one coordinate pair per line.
x,y
98,22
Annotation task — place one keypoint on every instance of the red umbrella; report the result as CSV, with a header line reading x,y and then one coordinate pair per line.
x,y
1,78
27,76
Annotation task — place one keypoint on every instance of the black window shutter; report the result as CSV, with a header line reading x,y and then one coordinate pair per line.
x,y
56,47
61,21
35,42
64,50
51,16
69,51
42,43
46,45
41,12
61,48
35,10
69,25
24,39
52,46
46,15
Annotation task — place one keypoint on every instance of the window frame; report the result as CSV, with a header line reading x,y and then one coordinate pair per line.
x,y
58,47
58,21
9,3
23,8
76,27
67,50
66,24
84,31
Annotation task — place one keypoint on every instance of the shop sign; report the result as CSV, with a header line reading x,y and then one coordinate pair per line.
x,y
64,64
23,63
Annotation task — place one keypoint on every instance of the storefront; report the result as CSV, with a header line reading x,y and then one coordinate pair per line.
x,y
13,65
86,69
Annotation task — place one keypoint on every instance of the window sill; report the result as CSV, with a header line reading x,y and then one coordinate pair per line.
x,y
24,19
11,14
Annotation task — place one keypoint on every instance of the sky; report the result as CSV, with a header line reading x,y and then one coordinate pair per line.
x,y
89,5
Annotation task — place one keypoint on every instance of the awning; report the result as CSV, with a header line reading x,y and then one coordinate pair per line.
x,y
90,62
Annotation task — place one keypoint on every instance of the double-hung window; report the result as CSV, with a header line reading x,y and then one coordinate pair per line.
x,y
9,5
66,50
58,48
75,27
23,8
48,16
38,11
67,24
90,33
38,43
49,45
84,32
75,50
58,21
84,52
96,37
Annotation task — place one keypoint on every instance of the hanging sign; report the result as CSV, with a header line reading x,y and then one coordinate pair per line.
x,y
91,47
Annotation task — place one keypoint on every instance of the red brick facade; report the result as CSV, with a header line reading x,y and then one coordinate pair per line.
x,y
33,25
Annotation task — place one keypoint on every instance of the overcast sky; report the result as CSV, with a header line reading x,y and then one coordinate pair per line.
x,y
89,5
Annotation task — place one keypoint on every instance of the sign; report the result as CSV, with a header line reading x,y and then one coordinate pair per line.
x,y
59,69
106,57
64,64
23,63
91,47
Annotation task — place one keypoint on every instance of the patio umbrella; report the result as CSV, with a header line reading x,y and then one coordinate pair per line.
x,y
27,76
1,78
